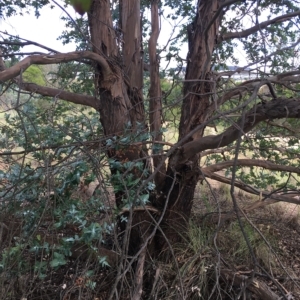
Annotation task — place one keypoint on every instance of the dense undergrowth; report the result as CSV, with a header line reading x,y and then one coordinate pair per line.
x,y
71,252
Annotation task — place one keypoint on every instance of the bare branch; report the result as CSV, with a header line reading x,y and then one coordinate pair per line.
x,y
215,151
269,197
139,273
21,66
61,94
257,287
26,43
55,93
250,163
23,53
260,26
286,127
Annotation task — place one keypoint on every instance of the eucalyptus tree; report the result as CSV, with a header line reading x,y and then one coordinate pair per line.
x,y
119,69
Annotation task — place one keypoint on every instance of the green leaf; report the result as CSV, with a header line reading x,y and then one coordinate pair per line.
x,y
144,198
59,260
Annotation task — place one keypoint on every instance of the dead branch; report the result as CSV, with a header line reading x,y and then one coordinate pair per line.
x,y
257,287
214,151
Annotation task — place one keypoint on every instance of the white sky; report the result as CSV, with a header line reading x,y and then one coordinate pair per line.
x,y
48,27
43,30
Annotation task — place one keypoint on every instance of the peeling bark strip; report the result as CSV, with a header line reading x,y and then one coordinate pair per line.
x,y
132,57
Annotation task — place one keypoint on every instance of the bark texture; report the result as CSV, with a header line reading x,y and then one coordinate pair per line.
x,y
181,180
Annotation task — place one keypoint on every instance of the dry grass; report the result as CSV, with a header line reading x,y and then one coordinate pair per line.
x,y
272,233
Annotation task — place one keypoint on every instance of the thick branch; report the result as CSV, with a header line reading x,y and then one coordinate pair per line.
x,y
103,37
277,108
202,34
21,66
250,163
61,94
132,45
52,92
132,57
260,26
220,11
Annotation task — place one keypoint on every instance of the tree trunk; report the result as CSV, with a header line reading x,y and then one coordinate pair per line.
x,y
122,107
198,88
122,101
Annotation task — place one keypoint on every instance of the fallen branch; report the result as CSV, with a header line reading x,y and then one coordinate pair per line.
x,y
257,287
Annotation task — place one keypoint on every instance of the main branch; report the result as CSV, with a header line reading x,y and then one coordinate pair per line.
x,y
277,108
61,94
21,66
52,92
